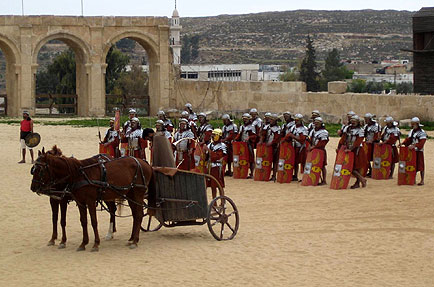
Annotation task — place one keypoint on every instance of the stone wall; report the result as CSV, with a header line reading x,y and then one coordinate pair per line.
x,y
239,97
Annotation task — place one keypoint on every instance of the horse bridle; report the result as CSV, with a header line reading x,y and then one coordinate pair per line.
x,y
47,187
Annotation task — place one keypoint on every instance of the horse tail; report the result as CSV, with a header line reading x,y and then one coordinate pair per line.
x,y
152,194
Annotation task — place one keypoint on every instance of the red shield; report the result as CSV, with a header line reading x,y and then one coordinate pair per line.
x,y
407,166
241,159
285,168
342,169
313,167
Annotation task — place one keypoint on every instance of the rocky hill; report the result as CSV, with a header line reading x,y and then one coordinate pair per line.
x,y
279,37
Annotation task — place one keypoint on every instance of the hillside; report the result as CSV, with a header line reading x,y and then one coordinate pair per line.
x,y
279,37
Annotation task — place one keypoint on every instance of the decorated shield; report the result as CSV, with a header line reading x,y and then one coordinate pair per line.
x,y
32,140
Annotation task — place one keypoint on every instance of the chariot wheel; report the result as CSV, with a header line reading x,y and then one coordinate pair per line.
x,y
223,218
149,222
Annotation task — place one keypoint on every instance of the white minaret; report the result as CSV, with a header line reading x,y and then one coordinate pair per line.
x,y
175,37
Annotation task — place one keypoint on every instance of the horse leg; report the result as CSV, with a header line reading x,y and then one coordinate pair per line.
x,y
63,209
94,221
83,219
54,215
132,207
138,217
112,227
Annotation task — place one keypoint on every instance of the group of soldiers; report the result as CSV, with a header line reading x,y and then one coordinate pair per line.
x,y
194,132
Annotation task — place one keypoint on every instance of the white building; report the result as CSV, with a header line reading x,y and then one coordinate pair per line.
x,y
231,73
175,37
390,78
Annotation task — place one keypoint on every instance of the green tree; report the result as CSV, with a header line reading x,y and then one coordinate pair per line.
x,y
132,83
308,69
334,70
288,76
357,86
404,88
186,50
59,76
116,63
195,47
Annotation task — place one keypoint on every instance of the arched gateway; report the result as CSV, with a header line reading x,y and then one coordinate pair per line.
x,y
21,38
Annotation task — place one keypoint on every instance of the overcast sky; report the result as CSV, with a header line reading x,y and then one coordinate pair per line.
x,y
195,7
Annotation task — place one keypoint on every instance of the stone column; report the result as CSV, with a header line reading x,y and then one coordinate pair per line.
x,y
26,83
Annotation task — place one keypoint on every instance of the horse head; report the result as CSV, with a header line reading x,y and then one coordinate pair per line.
x,y
49,171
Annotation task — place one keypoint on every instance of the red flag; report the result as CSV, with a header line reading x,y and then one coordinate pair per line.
x,y
117,120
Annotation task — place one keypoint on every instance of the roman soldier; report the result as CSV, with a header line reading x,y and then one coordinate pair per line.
x,y
352,139
390,136
287,125
372,136
112,139
168,125
298,135
272,138
160,128
191,115
136,144
311,126
26,128
264,128
415,141
191,124
229,133
247,133
217,153
318,139
205,130
184,146
256,121
344,126
132,113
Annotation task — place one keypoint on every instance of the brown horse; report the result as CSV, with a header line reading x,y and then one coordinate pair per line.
x,y
125,178
59,197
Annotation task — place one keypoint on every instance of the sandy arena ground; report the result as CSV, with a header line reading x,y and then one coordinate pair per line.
x,y
289,235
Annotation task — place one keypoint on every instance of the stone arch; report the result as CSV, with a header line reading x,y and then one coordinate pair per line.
x,y
82,57
152,49
13,59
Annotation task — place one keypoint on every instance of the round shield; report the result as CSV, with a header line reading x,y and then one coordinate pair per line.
x,y
32,139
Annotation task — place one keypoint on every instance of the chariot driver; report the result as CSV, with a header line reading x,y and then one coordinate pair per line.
x,y
184,145
217,153
415,141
